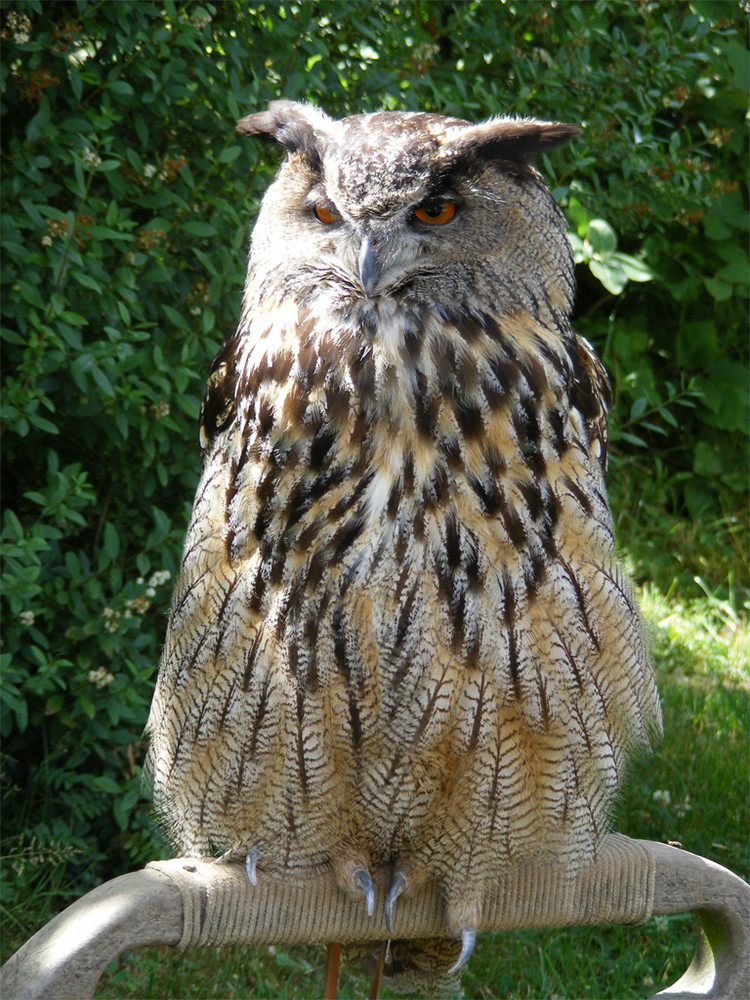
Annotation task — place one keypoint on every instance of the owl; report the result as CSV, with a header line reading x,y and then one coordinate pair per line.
x,y
400,635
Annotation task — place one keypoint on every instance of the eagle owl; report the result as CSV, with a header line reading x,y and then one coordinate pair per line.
x,y
400,635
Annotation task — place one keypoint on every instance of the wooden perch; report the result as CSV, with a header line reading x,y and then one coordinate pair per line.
x,y
191,902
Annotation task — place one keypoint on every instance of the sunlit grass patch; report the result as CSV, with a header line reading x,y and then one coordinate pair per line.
x,y
698,637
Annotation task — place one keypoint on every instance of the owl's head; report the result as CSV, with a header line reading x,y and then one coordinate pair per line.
x,y
400,210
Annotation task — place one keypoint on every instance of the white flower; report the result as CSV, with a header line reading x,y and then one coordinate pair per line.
x,y
683,807
662,797
160,409
20,25
27,617
136,605
46,241
90,158
100,677
149,170
157,579
111,620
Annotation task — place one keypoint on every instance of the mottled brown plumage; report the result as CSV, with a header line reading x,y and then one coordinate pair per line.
x,y
400,634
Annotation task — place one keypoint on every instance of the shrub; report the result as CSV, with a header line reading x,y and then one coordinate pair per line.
x,y
126,204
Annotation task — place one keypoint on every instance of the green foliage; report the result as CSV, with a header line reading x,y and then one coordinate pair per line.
x,y
126,203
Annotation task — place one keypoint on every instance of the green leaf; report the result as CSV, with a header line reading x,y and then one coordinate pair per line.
x,y
87,281
42,424
638,408
175,318
635,270
104,233
715,229
111,541
668,417
87,705
601,236
736,273
718,289
30,294
577,246
611,275
697,343
230,154
208,320
121,87
107,784
630,438
196,228
101,380
76,82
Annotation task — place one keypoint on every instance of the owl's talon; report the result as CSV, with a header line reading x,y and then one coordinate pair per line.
x,y
362,878
251,859
394,891
468,940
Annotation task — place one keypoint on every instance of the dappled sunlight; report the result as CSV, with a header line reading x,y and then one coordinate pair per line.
x,y
697,638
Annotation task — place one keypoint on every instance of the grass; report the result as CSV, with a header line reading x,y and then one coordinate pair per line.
x,y
692,789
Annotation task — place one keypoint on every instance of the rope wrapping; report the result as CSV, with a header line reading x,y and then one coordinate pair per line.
x,y
221,906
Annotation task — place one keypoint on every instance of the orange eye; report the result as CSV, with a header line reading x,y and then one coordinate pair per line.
x,y
436,215
325,214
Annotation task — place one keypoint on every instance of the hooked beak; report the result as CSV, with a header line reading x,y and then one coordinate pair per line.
x,y
369,266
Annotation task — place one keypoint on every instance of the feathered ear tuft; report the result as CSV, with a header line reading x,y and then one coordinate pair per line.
x,y
299,128
518,140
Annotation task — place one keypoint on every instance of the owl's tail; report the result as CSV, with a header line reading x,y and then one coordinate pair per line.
x,y
424,966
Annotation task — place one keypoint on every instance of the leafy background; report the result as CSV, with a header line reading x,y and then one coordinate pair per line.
x,y
126,206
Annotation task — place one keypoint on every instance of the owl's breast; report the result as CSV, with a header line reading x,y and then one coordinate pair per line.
x,y
349,440
399,557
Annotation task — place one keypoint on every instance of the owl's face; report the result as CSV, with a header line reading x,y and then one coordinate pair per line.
x,y
400,211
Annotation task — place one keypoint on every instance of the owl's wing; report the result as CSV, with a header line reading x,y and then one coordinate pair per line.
x,y
218,408
591,394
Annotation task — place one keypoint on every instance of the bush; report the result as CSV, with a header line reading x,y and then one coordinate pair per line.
x,y
126,204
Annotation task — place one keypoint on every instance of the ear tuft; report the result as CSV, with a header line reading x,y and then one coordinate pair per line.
x,y
299,128
517,140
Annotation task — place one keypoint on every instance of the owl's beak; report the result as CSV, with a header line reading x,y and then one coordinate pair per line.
x,y
369,266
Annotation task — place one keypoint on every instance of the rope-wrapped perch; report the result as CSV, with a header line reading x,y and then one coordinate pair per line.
x,y
187,902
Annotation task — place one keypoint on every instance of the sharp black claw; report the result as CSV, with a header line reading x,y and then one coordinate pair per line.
x,y
468,940
394,891
251,859
363,878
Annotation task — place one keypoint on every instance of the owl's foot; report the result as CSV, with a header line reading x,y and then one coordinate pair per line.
x,y
251,860
468,940
363,879
394,891
408,875
353,877
464,916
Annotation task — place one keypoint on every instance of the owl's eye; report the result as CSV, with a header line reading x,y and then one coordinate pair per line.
x,y
326,214
435,213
